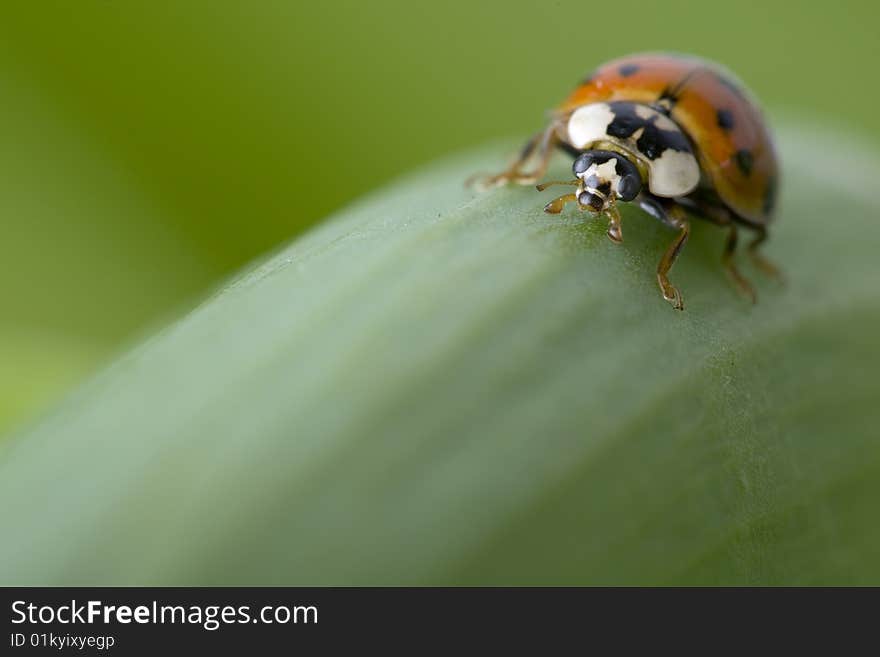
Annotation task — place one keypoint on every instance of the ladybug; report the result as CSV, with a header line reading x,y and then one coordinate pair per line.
x,y
678,136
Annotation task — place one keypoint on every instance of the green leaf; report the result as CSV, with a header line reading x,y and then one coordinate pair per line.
x,y
37,367
440,387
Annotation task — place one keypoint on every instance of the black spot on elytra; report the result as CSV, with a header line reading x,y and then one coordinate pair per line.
x,y
744,160
653,140
725,119
770,196
628,69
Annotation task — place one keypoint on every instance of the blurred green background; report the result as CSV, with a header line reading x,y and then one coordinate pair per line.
x,y
147,150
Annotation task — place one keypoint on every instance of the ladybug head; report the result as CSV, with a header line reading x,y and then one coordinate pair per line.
x,y
604,178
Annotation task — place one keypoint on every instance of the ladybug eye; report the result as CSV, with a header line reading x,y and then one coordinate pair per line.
x,y
582,163
592,201
596,202
629,187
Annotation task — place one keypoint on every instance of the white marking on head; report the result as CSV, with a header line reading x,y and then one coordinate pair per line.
x,y
602,173
606,170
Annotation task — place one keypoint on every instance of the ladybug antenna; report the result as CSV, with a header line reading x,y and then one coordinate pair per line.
x,y
543,186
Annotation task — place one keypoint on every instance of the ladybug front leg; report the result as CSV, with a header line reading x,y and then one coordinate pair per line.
x,y
670,292
539,147
673,215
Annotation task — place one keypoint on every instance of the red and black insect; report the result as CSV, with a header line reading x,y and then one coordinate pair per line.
x,y
676,135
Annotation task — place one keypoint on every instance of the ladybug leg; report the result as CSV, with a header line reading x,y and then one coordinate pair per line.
x,y
721,216
670,292
539,147
555,206
727,260
759,260
615,232
673,215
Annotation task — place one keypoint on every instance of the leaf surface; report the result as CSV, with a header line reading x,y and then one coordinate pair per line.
x,y
441,387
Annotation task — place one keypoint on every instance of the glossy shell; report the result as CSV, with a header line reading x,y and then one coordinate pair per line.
x,y
653,136
725,126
